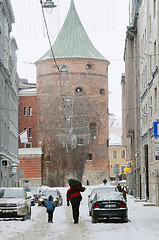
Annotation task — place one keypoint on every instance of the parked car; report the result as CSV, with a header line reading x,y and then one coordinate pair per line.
x,y
109,206
36,192
55,193
100,189
14,203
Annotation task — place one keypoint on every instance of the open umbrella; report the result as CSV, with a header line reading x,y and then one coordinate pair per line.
x,y
74,182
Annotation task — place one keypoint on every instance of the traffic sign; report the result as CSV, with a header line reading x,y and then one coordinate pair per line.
x,y
156,129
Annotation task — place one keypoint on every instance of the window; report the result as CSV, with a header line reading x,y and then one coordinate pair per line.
x,y
30,111
30,132
28,145
154,8
21,174
25,111
89,157
80,141
102,91
79,89
88,66
155,99
114,154
48,158
151,107
4,163
122,153
116,169
154,53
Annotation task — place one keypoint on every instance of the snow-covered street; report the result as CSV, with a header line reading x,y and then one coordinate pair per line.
x,y
143,224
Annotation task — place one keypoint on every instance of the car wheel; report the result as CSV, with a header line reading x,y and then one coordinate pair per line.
x,y
94,220
29,214
125,219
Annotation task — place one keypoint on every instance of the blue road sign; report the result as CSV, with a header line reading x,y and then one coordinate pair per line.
x,y
156,129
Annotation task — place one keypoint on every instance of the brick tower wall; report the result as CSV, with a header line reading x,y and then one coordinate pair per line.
x,y
73,119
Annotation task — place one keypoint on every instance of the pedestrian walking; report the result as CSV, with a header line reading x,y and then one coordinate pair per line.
x,y
119,187
124,192
50,206
74,196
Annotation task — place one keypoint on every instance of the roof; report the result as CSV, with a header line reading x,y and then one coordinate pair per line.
x,y
72,40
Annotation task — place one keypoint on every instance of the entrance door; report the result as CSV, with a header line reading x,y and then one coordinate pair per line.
x,y
147,171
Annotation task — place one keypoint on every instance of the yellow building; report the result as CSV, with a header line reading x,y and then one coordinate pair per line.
x,y
117,156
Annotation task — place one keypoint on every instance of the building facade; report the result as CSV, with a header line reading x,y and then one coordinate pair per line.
x,y
142,39
149,94
131,101
30,152
8,99
72,97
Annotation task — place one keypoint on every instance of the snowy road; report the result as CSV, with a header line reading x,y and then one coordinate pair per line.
x,y
143,224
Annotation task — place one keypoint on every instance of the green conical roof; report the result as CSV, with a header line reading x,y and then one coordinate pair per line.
x,y
73,41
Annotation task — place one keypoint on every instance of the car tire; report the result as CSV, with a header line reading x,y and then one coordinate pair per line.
x,y
29,214
94,220
125,219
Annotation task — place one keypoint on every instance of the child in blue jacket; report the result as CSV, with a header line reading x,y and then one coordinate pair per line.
x,y
50,205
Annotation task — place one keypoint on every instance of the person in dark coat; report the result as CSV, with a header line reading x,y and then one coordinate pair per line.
x,y
50,206
119,187
104,181
74,196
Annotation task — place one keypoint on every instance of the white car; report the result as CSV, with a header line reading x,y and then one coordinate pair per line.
x,y
14,203
100,189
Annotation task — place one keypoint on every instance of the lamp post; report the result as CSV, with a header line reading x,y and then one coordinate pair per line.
x,y
48,4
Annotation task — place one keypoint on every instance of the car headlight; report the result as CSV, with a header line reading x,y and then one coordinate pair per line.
x,y
20,204
41,199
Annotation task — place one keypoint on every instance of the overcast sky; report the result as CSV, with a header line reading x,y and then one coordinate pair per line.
x,y
105,22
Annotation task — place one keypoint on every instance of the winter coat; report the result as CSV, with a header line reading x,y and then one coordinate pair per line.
x,y
50,205
74,195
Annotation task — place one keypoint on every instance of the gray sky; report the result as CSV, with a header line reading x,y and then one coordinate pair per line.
x,y
105,22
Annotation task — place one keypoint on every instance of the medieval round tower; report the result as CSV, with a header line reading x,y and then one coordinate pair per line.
x,y
72,93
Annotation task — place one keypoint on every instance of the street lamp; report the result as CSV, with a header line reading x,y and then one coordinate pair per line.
x,y
49,5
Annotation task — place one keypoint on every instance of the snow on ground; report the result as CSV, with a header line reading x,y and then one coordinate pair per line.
x,y
143,224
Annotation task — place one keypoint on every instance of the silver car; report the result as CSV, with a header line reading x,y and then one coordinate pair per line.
x,y
99,189
14,203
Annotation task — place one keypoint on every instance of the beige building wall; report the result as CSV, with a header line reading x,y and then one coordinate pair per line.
x,y
149,85
117,156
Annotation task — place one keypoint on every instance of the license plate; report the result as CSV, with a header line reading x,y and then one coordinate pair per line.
x,y
7,211
110,205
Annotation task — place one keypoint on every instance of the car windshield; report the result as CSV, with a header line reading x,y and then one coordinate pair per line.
x,y
108,196
11,193
106,189
49,192
34,190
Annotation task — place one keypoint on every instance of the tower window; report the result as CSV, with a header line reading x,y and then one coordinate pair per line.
x,y
102,91
79,89
88,66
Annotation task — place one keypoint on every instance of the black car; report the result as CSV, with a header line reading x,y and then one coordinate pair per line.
x,y
99,190
55,193
109,206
